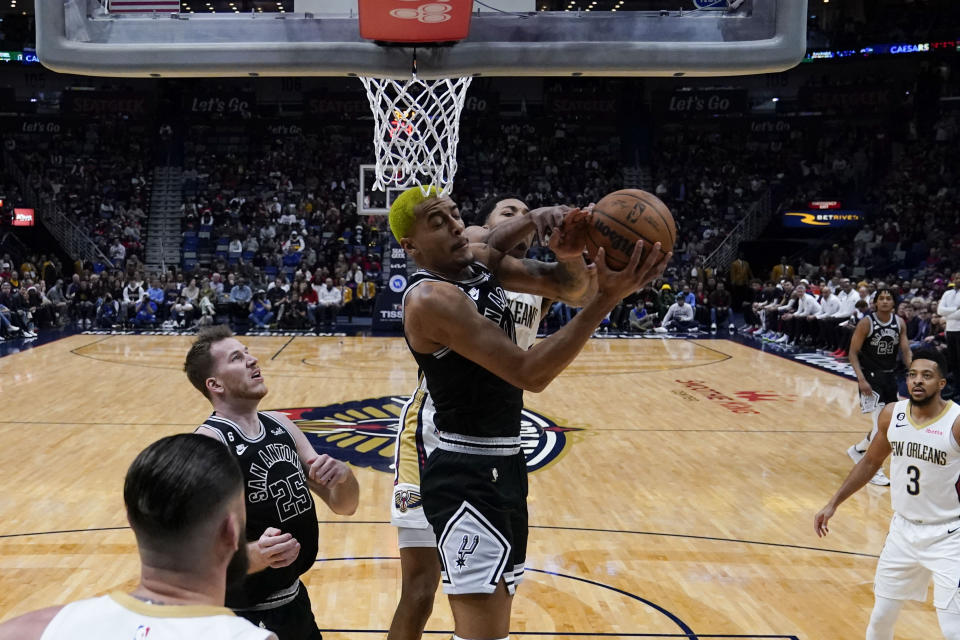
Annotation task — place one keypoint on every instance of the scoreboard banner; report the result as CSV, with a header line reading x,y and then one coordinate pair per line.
x,y
823,219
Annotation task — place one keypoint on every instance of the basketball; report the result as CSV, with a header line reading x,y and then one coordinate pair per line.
x,y
623,217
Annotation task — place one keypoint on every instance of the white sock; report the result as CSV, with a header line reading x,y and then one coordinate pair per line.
x,y
456,637
863,444
949,624
883,617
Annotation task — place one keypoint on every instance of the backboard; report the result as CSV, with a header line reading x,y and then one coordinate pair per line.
x,y
372,201
759,36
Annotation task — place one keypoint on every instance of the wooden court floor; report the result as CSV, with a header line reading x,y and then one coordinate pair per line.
x,y
676,494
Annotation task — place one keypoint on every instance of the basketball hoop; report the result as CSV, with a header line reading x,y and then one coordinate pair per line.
x,y
416,130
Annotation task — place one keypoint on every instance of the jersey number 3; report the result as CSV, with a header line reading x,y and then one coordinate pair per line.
x,y
913,487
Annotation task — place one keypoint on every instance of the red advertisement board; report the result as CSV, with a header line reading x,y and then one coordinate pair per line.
x,y
415,20
23,217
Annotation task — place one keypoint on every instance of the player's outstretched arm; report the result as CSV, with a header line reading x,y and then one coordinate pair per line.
x,y
329,478
568,279
877,452
29,626
439,315
509,233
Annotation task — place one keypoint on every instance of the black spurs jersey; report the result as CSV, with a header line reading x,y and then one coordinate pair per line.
x,y
879,350
469,400
276,495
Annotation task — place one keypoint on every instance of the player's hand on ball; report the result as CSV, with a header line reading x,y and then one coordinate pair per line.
x,y
636,275
327,471
547,219
569,241
277,549
821,519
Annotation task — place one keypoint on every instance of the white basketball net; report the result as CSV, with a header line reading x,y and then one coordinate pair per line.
x,y
416,131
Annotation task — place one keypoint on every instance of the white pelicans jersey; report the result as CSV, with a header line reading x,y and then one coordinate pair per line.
x,y
120,616
924,465
526,309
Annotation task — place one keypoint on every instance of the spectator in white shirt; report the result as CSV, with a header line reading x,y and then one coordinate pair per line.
x,y
118,253
235,249
796,326
829,305
679,317
949,309
132,295
268,232
289,216
329,301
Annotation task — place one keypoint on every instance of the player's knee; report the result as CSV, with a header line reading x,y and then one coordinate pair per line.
x,y
417,594
882,618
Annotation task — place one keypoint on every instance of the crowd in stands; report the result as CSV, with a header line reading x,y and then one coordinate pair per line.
x,y
34,296
265,212
94,174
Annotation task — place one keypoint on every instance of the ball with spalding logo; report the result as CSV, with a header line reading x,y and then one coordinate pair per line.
x,y
623,217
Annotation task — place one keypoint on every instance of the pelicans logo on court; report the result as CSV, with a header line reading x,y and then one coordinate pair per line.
x,y
363,433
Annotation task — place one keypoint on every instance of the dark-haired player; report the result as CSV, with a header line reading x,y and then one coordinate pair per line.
x,y
184,500
461,333
873,356
922,434
280,469
505,224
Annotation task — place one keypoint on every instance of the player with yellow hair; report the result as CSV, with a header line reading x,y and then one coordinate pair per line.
x,y
461,334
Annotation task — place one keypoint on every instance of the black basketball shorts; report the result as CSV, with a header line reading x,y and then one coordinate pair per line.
x,y
884,383
477,506
291,621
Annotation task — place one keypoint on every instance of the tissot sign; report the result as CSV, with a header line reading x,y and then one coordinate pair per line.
x,y
415,20
388,309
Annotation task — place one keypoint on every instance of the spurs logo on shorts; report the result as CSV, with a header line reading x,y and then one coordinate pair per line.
x,y
466,550
474,555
